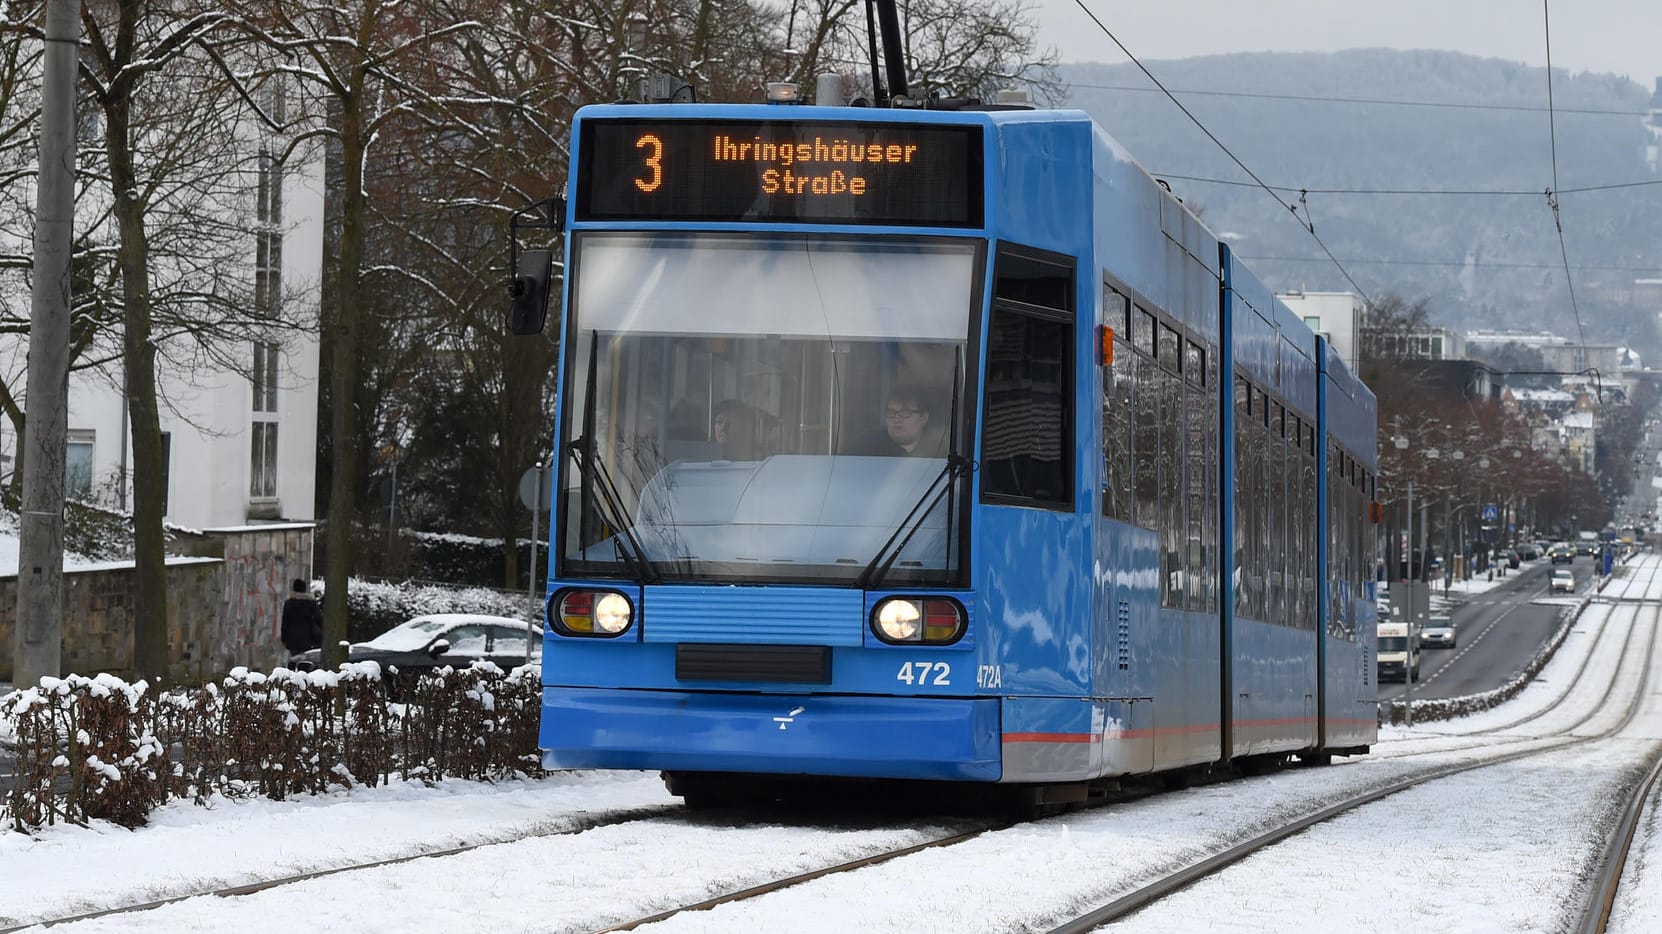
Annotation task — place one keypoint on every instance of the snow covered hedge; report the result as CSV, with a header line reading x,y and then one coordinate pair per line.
x,y
374,608
100,748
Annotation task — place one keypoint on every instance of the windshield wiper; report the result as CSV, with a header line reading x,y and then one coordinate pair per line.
x,y
956,466
611,511
596,479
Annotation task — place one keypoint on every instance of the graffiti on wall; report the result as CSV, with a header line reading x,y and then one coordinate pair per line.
x,y
259,566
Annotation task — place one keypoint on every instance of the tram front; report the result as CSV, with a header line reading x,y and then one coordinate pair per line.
x,y
764,447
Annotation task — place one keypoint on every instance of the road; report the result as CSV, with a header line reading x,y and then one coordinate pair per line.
x,y
1497,632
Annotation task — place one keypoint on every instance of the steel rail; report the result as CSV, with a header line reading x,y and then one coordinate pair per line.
x,y
1595,914
576,825
1171,883
786,882
1581,669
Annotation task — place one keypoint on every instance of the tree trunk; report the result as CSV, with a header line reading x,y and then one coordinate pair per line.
x,y
150,633
341,334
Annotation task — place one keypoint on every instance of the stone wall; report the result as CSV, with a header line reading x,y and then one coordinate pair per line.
x,y
98,618
260,563
224,605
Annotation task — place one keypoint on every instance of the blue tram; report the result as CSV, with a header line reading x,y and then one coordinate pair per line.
x,y
907,444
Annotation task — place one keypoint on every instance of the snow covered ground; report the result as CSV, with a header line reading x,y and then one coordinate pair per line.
x,y
1496,849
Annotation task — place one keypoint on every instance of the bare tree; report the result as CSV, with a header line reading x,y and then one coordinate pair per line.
x,y
144,73
360,64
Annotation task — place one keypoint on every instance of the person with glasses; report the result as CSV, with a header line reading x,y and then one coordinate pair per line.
x,y
906,430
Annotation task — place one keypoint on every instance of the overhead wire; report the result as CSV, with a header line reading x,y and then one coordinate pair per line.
x,y
1551,193
1328,99
1462,192
1291,207
1433,262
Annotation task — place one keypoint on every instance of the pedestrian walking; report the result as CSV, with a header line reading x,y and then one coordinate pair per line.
x,y
302,620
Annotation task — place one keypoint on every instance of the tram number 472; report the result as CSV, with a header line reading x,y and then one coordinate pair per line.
x,y
925,673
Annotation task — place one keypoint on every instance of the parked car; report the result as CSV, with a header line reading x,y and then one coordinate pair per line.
x,y
1437,633
455,639
1529,552
1563,580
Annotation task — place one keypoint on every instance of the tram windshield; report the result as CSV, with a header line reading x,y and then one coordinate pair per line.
x,y
766,407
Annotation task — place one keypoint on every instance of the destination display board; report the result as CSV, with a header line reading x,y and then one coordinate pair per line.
x,y
780,170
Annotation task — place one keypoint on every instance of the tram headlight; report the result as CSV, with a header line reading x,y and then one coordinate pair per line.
x,y
611,614
900,620
918,620
592,613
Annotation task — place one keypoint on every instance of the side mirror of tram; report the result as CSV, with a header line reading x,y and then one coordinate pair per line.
x,y
529,292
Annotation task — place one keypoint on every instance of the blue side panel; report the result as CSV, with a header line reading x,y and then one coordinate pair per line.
x,y
1275,677
1043,174
1034,610
1037,611
1227,547
866,737
757,615
1131,657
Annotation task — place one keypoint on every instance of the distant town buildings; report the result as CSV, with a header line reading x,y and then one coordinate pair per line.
x,y
1335,316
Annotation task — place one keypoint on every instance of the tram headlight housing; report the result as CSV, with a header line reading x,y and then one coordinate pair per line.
x,y
918,620
603,613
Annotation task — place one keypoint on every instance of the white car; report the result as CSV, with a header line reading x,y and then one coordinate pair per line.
x,y
1563,580
1437,633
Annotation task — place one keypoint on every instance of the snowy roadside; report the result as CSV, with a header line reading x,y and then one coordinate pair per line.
x,y
186,848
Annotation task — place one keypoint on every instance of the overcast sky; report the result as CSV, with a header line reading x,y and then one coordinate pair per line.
x,y
1618,36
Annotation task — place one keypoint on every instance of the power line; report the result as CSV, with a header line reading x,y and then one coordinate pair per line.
x,y
1552,198
1462,192
1657,270
1291,208
1365,100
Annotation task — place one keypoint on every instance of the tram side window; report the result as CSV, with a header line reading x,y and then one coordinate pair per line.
x,y
1241,534
1117,410
1338,530
1171,469
1194,466
1146,431
1027,449
1214,455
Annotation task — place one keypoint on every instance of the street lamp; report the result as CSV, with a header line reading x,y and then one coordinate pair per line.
x,y
1401,443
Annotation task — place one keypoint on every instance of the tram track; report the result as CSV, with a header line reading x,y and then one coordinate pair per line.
x,y
566,826
1548,741
1386,751
1612,861
1151,892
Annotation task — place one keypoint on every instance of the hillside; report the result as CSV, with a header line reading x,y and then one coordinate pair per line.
x,y
1482,261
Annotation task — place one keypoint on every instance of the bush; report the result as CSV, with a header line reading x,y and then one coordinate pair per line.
x,y
374,608
100,748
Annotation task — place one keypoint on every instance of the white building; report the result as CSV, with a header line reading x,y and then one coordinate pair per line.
x,y
236,448
1336,316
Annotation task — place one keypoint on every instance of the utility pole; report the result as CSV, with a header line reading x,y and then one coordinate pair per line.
x,y
37,642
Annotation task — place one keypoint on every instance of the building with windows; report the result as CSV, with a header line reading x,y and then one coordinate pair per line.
x,y
1336,316
239,427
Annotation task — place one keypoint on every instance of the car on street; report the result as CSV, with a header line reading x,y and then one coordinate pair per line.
x,y
1562,553
1563,580
1437,633
455,639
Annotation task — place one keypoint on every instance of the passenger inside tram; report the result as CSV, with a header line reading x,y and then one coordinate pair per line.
x,y
908,427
